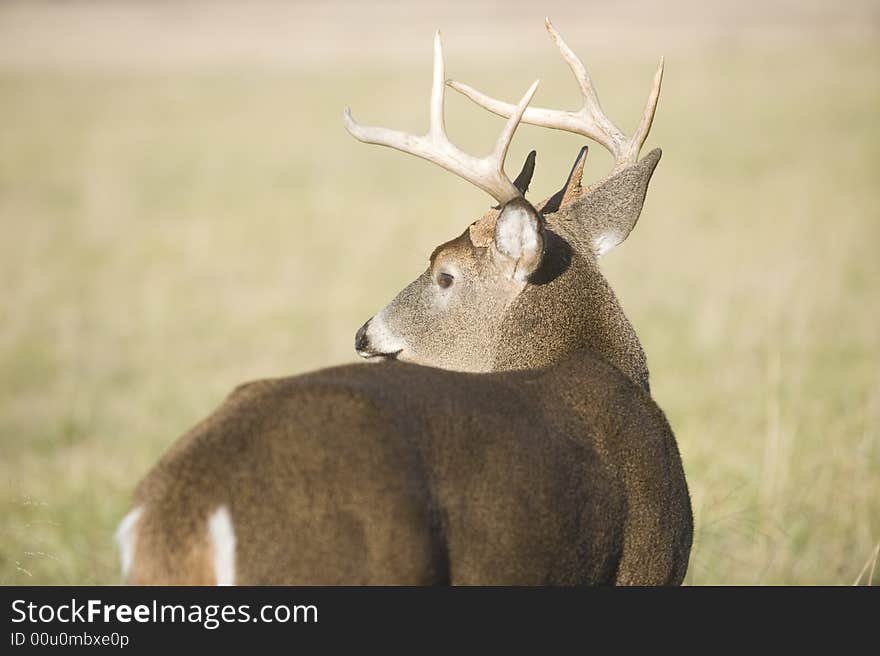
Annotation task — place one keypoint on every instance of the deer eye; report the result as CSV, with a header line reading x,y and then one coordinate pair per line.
x,y
445,280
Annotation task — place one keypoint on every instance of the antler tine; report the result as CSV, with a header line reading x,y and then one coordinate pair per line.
x,y
487,173
589,121
596,125
499,154
641,133
438,93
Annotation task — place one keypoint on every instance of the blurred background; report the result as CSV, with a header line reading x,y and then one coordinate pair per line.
x,y
181,210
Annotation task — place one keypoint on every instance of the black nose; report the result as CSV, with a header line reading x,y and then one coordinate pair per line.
x,y
361,341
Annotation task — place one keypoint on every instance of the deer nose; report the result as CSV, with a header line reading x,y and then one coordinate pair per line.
x,y
361,341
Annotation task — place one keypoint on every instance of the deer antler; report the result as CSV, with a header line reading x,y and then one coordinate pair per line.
x,y
487,173
589,121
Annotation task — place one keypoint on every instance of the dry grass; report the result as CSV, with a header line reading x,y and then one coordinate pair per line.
x,y
174,224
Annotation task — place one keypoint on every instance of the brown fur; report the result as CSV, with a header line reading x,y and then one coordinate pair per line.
x,y
402,474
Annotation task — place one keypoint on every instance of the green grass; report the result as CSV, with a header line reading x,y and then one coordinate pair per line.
x,y
168,235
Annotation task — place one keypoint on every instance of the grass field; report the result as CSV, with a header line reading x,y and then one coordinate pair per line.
x,y
181,215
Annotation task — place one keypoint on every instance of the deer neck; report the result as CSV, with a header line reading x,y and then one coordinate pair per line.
x,y
568,307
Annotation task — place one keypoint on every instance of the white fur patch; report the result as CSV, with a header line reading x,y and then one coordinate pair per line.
x,y
380,337
516,235
223,545
125,539
604,243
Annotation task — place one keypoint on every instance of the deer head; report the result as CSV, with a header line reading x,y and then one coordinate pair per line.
x,y
521,287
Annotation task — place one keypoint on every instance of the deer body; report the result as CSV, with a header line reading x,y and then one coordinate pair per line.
x,y
403,474
527,451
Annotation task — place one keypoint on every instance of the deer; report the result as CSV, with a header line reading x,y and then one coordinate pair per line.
x,y
502,432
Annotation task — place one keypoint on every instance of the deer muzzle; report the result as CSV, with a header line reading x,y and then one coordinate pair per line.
x,y
373,341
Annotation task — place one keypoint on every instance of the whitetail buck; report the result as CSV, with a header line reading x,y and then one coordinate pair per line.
x,y
552,466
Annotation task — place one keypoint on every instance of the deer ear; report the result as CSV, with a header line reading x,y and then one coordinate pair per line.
x,y
524,179
602,218
519,238
572,188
